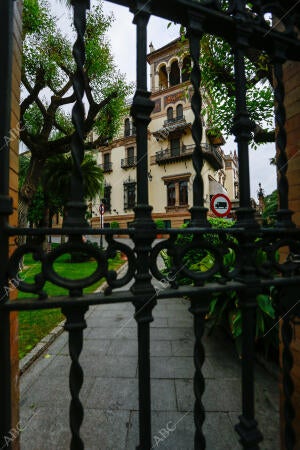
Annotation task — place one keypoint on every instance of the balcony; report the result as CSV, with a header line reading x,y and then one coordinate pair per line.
x,y
106,167
211,154
174,120
177,123
128,162
174,154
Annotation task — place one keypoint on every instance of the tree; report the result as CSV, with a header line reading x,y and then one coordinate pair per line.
x,y
218,79
53,192
47,75
217,72
270,208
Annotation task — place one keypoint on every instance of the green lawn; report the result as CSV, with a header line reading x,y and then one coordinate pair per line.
x,y
34,325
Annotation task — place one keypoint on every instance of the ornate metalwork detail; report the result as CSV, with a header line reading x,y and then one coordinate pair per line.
x,y
199,313
76,207
247,427
143,316
113,247
242,129
196,103
75,324
48,272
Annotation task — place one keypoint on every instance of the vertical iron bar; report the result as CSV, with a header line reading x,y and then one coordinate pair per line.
x,y
76,207
199,312
247,428
288,385
142,105
242,129
141,109
194,33
75,324
144,226
6,47
144,317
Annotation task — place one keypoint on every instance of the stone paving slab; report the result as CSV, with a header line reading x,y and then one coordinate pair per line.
x,y
110,390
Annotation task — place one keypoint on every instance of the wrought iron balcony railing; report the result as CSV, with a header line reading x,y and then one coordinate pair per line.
x,y
174,120
169,155
106,167
126,163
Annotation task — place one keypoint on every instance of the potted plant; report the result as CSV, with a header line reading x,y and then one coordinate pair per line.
x,y
215,136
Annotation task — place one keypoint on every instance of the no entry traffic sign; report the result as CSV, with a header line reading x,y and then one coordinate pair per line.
x,y
220,205
101,209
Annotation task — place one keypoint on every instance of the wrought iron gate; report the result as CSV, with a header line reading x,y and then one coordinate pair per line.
x,y
243,25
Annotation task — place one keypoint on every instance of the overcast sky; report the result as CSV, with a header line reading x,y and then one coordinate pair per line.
x,y
122,38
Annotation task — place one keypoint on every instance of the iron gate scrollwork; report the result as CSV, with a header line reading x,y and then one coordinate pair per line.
x,y
243,25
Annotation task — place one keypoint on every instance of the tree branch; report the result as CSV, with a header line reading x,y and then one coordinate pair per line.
x,y
262,136
94,110
33,92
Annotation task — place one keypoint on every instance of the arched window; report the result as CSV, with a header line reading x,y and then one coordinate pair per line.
x,y
179,111
127,127
186,68
174,74
170,113
163,78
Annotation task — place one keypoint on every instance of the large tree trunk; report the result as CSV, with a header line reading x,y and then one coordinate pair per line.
x,y
22,218
31,183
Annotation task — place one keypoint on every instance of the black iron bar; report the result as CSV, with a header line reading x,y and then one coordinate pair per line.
x,y
242,129
247,428
144,384
75,324
125,296
199,308
76,207
144,226
198,211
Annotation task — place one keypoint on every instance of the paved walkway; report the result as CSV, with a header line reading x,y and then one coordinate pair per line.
x,y
110,394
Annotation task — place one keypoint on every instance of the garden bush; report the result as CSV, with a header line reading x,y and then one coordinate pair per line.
x,y
225,308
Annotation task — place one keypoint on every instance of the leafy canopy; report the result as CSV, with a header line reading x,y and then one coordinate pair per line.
x,y
47,81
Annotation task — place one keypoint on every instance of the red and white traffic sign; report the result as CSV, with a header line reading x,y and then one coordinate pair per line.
x,y
101,209
220,205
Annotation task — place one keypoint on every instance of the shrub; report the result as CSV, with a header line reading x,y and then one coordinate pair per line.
x,y
114,224
159,223
224,308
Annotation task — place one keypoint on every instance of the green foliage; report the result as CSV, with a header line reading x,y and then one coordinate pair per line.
x,y
217,64
270,209
34,325
225,307
54,189
114,224
47,70
159,223
36,210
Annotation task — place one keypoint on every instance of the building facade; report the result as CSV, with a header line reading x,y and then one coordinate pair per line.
x,y
170,147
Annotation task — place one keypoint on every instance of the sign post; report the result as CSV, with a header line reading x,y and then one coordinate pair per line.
x,y
220,205
101,211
